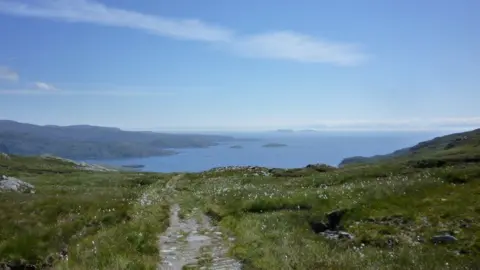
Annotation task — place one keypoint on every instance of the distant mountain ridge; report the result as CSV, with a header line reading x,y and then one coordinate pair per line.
x,y
463,146
94,142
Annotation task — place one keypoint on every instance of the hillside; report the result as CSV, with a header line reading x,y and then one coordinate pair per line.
x,y
92,142
456,147
381,215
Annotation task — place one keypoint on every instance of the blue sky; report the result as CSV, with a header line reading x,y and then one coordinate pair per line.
x,y
217,64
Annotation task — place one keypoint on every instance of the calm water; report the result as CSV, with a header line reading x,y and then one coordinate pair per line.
x,y
301,149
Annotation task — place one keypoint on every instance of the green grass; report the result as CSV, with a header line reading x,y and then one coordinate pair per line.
x,y
393,210
97,216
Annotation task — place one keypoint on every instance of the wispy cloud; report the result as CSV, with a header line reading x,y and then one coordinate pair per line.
x,y
299,47
286,45
94,12
45,86
8,74
36,92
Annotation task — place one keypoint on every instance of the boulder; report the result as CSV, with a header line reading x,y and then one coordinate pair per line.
x,y
331,229
13,184
4,156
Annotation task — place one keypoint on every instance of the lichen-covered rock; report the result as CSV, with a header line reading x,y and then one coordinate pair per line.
x,y
13,184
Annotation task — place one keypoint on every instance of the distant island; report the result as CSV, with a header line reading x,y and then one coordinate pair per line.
x,y
133,166
273,145
84,142
236,147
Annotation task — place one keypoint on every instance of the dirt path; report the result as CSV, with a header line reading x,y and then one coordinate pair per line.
x,y
193,242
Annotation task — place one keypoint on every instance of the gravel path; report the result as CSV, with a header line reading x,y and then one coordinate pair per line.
x,y
194,243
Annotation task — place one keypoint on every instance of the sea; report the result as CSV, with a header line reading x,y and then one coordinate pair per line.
x,y
300,150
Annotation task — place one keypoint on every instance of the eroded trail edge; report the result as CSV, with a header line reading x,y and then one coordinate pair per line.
x,y
193,242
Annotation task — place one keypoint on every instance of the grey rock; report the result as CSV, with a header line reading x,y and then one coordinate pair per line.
x,y
4,156
13,184
444,239
345,235
336,235
4,266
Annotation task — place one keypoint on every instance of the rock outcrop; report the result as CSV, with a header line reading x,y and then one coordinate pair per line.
x,y
13,184
331,229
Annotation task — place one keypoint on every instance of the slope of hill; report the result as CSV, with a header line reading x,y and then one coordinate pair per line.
x,y
456,147
381,215
92,142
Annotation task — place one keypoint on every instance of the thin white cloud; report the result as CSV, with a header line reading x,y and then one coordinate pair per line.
x,y
45,86
94,12
298,47
8,74
35,92
285,45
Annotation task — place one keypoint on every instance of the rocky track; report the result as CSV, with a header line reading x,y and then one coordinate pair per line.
x,y
194,243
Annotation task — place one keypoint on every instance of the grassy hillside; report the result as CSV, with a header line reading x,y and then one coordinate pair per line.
x,y
395,210
90,142
96,217
458,147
